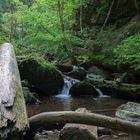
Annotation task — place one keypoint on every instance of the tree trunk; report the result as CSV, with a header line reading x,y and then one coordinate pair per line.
x,y
108,15
66,43
137,7
62,26
81,19
45,118
13,116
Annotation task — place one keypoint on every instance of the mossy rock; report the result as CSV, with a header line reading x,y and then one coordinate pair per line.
x,y
77,74
129,111
83,88
97,71
65,68
41,75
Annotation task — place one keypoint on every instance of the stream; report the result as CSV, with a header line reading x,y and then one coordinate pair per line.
x,y
102,104
64,102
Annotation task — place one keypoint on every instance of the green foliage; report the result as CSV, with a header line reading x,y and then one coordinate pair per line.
x,y
100,43
128,52
37,27
103,7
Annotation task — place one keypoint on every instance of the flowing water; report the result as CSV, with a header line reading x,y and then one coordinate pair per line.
x,y
64,102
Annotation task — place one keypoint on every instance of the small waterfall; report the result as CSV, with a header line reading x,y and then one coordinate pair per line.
x,y
101,95
92,75
68,83
100,92
75,68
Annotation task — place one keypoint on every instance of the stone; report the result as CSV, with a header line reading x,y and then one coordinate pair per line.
x,y
77,74
41,75
65,68
78,131
130,112
83,88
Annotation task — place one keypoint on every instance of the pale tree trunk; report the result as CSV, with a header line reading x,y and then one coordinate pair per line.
x,y
108,15
47,118
67,45
62,26
81,19
11,24
137,7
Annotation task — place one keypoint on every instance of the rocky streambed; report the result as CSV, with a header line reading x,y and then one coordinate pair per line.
x,y
75,88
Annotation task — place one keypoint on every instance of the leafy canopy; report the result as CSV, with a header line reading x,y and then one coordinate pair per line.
x,y
128,52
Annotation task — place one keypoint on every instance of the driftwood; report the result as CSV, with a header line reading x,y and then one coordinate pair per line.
x,y
42,119
79,131
13,116
117,88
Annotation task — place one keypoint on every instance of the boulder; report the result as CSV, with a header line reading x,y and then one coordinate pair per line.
x,y
130,112
77,74
83,88
65,68
78,131
117,88
13,115
41,75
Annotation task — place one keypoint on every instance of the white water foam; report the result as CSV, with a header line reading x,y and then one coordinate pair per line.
x,y
68,83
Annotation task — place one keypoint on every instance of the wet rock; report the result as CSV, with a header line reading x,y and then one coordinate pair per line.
x,y
65,68
91,75
117,88
48,135
110,137
77,74
83,88
104,131
78,131
129,111
41,75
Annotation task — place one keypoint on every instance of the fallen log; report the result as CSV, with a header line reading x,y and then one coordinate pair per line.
x,y
109,87
78,131
48,118
13,116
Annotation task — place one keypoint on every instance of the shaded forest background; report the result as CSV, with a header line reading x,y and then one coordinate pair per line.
x,y
103,32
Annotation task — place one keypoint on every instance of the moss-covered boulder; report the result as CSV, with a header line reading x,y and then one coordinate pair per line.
x,y
65,68
77,74
129,111
83,88
41,75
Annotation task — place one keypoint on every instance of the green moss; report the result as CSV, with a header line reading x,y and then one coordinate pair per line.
x,y
41,74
